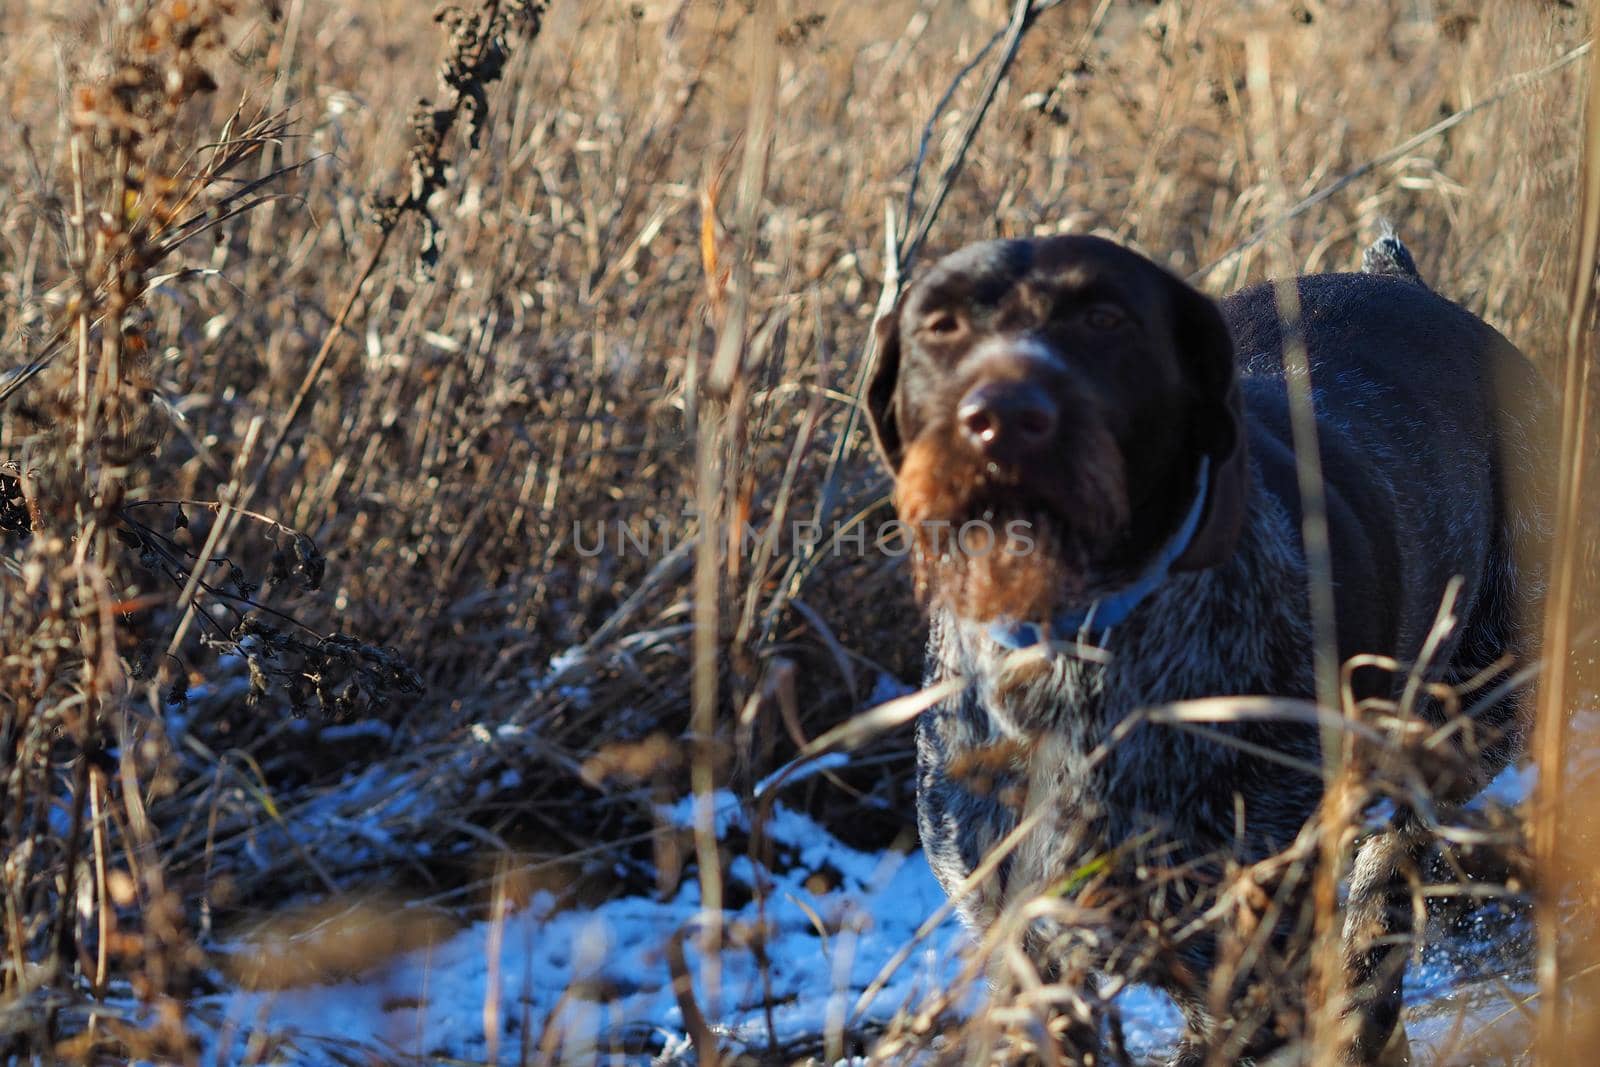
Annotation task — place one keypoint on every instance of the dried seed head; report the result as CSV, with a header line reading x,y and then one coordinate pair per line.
x,y
477,52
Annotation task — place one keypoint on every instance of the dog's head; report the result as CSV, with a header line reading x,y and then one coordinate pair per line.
x,y
1054,399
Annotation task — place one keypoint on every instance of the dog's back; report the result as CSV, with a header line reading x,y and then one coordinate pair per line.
x,y
1432,430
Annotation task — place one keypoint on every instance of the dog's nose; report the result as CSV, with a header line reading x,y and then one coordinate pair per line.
x,y
1006,417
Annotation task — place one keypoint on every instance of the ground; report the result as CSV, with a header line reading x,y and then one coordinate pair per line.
x,y
332,334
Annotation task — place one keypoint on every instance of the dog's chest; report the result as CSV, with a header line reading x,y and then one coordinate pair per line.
x,y
1063,741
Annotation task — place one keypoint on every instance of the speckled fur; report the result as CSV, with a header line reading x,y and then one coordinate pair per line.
x,y
1240,628
1173,648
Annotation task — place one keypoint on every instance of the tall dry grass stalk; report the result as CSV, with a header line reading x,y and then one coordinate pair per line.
x,y
1340,804
1563,849
723,477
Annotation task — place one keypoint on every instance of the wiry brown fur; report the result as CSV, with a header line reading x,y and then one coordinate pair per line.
x,y
940,488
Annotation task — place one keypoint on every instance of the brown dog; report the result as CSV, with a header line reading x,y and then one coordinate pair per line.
x,y
1139,433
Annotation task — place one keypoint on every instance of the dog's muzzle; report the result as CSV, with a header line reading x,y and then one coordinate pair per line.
x,y
1100,616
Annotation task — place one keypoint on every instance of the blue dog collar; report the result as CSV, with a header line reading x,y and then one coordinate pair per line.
x,y
1109,611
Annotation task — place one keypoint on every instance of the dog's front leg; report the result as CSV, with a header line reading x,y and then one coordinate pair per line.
x,y
1378,937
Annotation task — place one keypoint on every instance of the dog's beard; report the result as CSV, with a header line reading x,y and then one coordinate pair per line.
x,y
1028,548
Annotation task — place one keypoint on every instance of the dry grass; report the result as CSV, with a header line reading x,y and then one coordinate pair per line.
x,y
652,288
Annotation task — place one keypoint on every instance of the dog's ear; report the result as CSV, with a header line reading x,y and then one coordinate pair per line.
x,y
1206,348
883,414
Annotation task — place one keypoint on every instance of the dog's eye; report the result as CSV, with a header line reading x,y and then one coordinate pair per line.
x,y
1103,317
942,324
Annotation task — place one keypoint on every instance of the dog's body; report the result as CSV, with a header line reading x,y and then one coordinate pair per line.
x,y
1089,356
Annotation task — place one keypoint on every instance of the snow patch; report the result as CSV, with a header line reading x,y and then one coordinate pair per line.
x,y
835,918
599,980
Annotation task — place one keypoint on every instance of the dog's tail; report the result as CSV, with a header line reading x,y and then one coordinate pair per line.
x,y
1389,255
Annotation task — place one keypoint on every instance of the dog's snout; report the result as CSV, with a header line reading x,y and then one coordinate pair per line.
x,y
1011,418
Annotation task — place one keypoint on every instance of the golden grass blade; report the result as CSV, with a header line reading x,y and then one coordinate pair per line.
x,y
1559,858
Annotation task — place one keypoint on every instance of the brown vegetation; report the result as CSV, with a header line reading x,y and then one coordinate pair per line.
x,y
313,398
